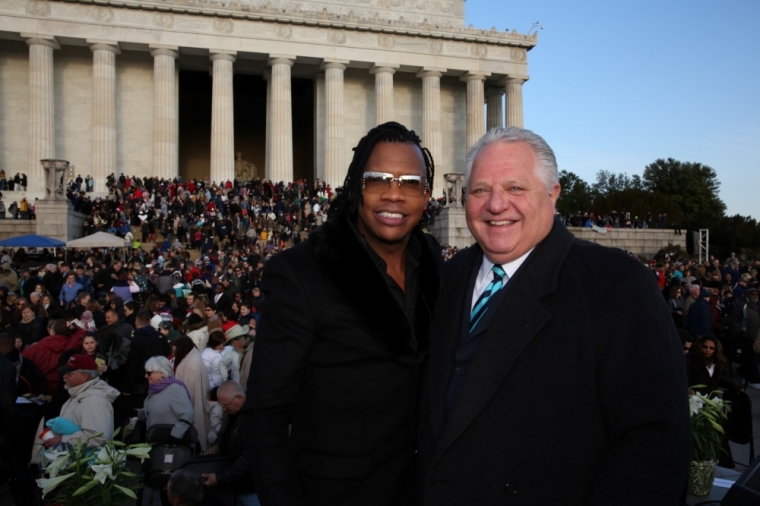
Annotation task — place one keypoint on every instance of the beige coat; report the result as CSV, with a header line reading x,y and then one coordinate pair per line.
x,y
192,373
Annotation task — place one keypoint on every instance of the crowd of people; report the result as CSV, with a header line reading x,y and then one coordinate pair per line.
x,y
625,219
98,340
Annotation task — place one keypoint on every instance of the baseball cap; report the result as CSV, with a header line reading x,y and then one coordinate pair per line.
x,y
79,363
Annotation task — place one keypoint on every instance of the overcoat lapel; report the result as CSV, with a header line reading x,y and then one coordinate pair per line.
x,y
349,265
445,333
518,317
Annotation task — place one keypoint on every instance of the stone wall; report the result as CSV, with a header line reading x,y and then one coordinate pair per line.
x,y
13,228
646,242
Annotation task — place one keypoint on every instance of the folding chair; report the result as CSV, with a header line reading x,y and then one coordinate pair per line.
x,y
739,422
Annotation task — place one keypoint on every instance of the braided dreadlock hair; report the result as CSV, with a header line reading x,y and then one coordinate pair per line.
x,y
350,194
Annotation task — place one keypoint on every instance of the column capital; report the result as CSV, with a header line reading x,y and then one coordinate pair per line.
x,y
163,50
475,75
42,40
221,54
431,72
333,63
104,45
513,79
384,67
281,59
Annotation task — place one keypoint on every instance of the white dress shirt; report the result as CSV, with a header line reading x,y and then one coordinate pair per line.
x,y
485,276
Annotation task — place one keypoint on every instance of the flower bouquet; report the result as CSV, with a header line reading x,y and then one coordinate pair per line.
x,y
99,475
708,412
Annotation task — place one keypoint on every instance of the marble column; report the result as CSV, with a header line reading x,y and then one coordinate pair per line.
x,y
476,123
41,108
281,119
103,111
319,126
494,110
383,91
513,88
268,126
431,123
335,168
165,112
222,118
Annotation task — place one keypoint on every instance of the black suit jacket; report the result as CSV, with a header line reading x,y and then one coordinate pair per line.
x,y
223,304
337,359
575,394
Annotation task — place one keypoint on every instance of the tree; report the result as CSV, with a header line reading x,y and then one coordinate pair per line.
x,y
639,203
693,186
739,234
608,182
576,194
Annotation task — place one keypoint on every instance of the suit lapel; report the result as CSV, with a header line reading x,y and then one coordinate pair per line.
x,y
446,331
515,320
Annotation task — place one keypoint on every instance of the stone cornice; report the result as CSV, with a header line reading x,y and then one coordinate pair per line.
x,y
326,19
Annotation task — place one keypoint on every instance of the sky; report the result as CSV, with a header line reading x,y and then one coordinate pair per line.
x,y
616,84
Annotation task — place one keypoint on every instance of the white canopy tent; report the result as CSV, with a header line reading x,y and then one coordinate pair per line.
x,y
99,240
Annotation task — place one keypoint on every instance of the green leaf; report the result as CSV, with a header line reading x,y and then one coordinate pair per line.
x,y
85,488
126,491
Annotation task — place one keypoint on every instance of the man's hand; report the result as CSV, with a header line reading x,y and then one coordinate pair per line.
x,y
210,480
57,439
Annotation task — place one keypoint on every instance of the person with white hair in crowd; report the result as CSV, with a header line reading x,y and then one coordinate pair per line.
x,y
89,408
168,401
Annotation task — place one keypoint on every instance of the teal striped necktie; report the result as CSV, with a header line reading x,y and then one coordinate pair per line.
x,y
500,278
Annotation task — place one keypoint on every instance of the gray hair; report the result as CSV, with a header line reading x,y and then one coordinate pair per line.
x,y
187,486
160,364
92,374
546,170
231,388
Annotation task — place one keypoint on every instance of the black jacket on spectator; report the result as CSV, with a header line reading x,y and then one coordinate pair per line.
x,y
53,282
146,342
238,476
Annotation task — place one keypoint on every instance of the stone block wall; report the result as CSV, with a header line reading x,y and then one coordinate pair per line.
x,y
13,228
646,242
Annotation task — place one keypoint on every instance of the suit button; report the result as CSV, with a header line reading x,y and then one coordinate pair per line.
x,y
460,370
511,488
415,453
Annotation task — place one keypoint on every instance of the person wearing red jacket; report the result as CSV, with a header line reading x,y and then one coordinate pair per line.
x,y
46,352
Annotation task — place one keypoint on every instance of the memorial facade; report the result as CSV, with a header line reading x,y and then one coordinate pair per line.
x,y
290,87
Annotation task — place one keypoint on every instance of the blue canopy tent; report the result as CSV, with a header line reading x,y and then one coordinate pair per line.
x,y
32,241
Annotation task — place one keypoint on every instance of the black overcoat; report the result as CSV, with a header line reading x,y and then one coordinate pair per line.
x,y
337,358
576,394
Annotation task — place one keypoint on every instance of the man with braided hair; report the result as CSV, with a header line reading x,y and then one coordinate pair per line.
x,y
343,337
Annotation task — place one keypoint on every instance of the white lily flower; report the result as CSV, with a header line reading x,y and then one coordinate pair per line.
x,y
103,457
695,404
102,471
58,465
49,484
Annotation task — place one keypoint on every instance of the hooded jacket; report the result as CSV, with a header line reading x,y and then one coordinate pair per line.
x,y
90,408
46,353
9,278
199,334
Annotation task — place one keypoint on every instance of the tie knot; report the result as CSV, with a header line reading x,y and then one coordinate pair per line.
x,y
498,273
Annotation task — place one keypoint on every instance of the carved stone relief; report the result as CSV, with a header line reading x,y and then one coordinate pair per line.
x,y
163,19
38,8
223,26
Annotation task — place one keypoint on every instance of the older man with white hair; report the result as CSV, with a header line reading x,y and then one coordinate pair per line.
x,y
89,407
548,384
